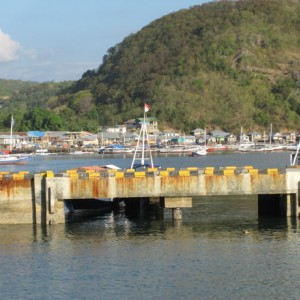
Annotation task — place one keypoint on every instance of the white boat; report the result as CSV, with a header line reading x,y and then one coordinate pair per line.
x,y
199,152
13,160
41,152
292,147
246,146
80,152
178,149
115,149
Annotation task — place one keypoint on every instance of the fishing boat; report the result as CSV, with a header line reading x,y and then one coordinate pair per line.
x,y
140,161
175,149
199,152
12,159
115,149
7,159
41,152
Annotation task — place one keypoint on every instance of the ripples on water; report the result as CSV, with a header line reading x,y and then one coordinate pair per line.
x,y
220,250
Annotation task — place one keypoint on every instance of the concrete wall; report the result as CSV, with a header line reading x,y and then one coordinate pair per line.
x,y
39,198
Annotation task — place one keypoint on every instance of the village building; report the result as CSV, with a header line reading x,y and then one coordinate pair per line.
x,y
254,136
16,141
289,137
218,136
136,124
231,139
183,140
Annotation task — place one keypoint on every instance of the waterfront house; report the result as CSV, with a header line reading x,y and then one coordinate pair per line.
x,y
219,136
184,140
108,138
164,138
254,136
231,139
16,140
115,129
244,138
135,124
38,138
198,132
88,140
289,137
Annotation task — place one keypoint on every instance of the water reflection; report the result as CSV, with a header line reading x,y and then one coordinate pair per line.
x,y
213,218
220,249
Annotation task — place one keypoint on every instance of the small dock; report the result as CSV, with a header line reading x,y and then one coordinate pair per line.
x,y
41,198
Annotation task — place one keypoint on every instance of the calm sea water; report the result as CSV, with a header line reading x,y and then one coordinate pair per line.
x,y
220,250
59,163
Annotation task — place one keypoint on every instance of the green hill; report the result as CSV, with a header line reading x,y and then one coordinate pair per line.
x,y
223,64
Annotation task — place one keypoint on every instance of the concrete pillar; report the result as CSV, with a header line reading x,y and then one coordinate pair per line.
x,y
177,213
55,212
176,203
290,205
39,201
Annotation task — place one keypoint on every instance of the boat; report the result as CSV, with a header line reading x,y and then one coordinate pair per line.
x,y
7,159
246,146
80,152
178,149
199,152
99,168
115,149
41,152
217,148
12,159
143,162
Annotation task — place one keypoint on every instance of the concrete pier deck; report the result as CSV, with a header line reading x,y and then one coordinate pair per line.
x,y
41,197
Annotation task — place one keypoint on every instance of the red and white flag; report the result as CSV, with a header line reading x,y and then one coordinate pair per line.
x,y
147,107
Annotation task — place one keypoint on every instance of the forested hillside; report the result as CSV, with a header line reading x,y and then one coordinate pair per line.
x,y
223,64
29,103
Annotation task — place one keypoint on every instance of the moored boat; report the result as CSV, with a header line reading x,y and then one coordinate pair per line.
x,y
99,168
178,149
199,152
115,149
13,160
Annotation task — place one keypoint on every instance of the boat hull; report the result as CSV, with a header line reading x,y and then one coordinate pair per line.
x,y
13,160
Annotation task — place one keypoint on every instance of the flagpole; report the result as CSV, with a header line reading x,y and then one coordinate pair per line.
x,y
143,139
11,128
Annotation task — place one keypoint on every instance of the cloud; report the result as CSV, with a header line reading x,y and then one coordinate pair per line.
x,y
8,48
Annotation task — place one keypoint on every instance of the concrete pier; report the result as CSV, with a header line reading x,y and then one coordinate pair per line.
x,y
41,198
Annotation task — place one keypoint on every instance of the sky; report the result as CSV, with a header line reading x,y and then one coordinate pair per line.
x,y
58,40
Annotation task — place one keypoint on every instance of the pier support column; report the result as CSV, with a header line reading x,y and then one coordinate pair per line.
x,y
177,213
55,212
176,203
39,200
